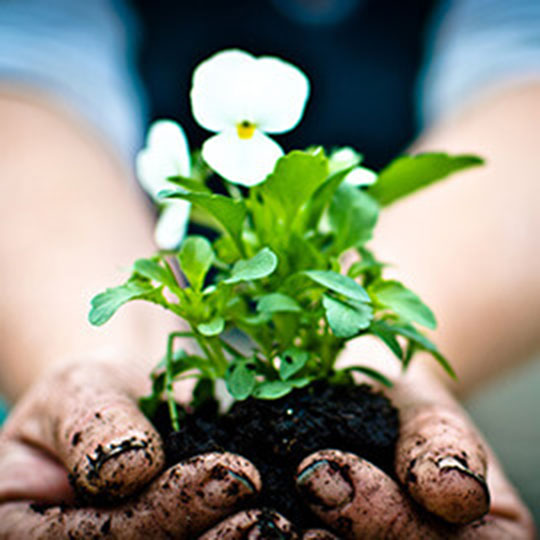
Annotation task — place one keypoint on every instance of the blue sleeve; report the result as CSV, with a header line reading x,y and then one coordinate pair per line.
x,y
478,46
81,54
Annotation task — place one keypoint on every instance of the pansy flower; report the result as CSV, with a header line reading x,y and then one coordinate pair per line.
x,y
242,98
166,154
346,157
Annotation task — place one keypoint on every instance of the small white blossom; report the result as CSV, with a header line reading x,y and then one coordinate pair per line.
x,y
166,154
241,98
347,157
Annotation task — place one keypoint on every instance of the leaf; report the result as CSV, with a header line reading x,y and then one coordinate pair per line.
x,y
322,197
339,283
196,257
278,302
259,266
213,327
361,267
373,373
294,179
187,183
353,215
272,389
105,304
230,213
151,269
424,343
386,334
344,319
202,393
240,379
394,295
407,174
292,361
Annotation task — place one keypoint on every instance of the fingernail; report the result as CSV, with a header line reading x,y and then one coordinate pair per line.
x,y
451,462
225,488
271,526
325,483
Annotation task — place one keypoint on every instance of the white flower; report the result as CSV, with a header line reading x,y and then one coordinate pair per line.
x,y
165,154
241,98
346,157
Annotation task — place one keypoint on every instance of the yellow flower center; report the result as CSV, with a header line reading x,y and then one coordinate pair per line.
x,y
245,129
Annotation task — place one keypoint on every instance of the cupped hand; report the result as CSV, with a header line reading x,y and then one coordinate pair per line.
x,y
79,431
448,483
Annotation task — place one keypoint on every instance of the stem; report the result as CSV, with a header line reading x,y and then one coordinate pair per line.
x,y
173,411
231,350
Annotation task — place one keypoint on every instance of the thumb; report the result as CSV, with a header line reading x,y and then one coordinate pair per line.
x,y
87,418
27,473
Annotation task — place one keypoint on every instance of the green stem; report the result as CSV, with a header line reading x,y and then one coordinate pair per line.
x,y
231,350
173,411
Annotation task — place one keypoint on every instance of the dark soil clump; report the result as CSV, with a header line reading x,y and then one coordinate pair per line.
x,y
276,435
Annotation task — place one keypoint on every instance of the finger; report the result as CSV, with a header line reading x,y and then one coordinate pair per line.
x,y
356,499
442,463
318,534
252,525
88,419
28,473
181,503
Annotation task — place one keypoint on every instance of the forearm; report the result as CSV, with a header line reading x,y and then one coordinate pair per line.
x,y
470,246
74,224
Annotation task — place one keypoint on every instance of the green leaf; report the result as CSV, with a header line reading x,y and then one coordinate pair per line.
x,y
296,176
423,343
105,304
202,393
259,266
407,174
373,373
187,183
322,197
346,320
387,335
394,295
230,213
272,389
240,379
353,215
196,257
276,303
339,283
151,269
361,267
292,361
213,327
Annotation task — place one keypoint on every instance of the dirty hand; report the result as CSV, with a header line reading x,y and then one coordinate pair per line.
x,y
83,420
447,476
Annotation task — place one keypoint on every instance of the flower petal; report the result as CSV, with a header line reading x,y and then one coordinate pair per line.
x,y
282,94
360,176
241,161
343,158
172,224
224,90
166,154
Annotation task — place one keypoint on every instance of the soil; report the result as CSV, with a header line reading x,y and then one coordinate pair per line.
x,y
276,435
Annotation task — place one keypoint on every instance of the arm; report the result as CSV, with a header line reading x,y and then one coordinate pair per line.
x,y
72,210
470,246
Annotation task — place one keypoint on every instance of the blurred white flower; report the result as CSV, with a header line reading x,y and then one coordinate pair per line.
x,y
166,154
242,98
346,157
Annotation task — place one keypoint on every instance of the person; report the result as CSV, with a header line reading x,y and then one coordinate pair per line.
x,y
71,118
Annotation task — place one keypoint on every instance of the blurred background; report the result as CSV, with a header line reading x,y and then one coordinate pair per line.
x,y
381,71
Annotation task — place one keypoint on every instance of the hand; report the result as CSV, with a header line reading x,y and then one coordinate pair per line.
x,y
84,419
441,464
